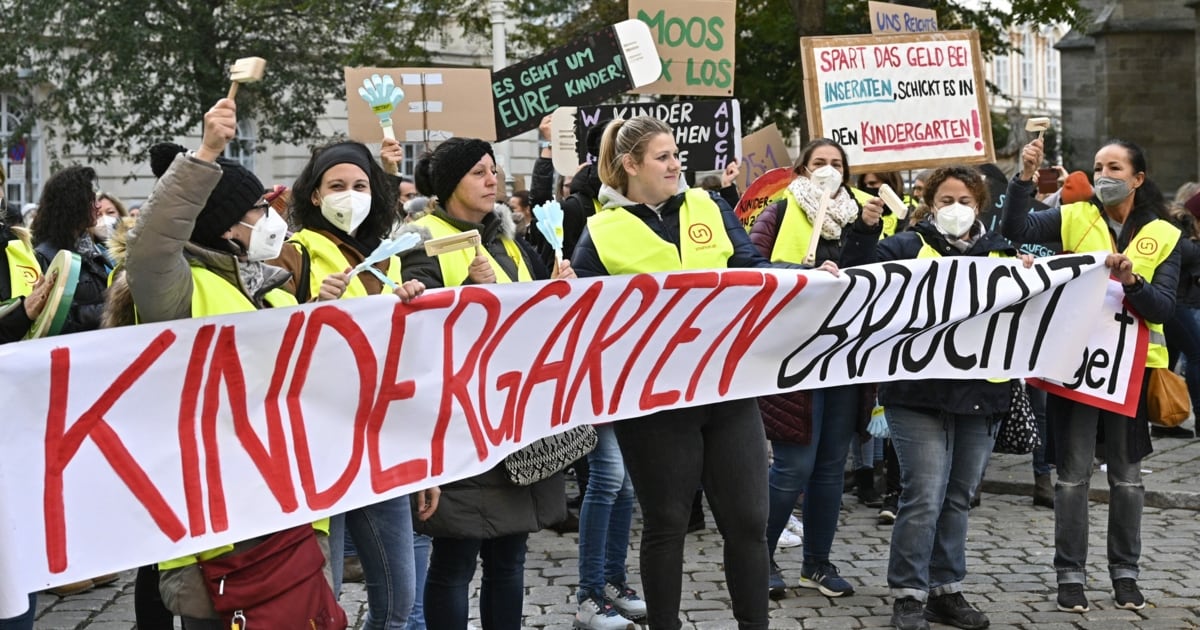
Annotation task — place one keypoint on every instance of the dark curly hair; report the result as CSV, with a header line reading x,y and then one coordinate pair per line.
x,y
67,207
968,175
385,212
1148,196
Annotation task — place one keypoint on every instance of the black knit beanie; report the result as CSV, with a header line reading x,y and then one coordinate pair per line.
x,y
441,171
235,193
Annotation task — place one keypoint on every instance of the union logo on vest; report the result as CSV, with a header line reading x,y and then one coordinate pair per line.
x,y
699,233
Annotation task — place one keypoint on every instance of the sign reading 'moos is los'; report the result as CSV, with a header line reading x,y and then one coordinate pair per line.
x,y
696,43
898,102
586,71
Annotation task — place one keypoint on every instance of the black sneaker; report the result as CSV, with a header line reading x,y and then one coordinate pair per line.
x,y
953,609
1072,599
776,587
1127,594
909,614
891,505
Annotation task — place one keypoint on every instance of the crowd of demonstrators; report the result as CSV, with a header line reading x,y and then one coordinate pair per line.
x,y
942,429
343,207
210,240
1126,208
810,430
484,516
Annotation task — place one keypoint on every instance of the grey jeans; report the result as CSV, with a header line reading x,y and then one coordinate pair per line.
x,y
1076,442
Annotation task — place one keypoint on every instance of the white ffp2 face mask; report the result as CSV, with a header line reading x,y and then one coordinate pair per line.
x,y
104,227
346,210
266,237
955,219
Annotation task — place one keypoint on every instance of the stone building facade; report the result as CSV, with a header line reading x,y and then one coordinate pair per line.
x,y
1131,74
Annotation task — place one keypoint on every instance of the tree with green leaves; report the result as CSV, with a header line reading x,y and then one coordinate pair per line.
x,y
111,77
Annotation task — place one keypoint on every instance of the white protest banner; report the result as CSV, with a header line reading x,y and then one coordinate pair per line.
x,y
134,445
899,102
888,19
1108,375
696,42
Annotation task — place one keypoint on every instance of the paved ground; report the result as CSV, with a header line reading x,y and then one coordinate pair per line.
x,y
1010,552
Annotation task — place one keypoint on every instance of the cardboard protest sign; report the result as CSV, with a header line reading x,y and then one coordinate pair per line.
x,y
438,103
899,102
890,19
696,41
585,71
184,436
767,188
709,132
762,151
1110,371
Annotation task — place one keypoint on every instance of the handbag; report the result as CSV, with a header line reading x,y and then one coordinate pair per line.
x,y
542,459
279,583
1017,434
1168,403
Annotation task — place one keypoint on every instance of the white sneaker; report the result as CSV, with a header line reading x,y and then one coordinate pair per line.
x,y
788,539
795,525
625,600
594,614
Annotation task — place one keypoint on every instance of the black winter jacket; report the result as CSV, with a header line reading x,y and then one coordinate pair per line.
x,y
88,305
937,396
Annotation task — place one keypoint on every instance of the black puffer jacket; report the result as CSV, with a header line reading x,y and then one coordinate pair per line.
x,y
966,397
88,304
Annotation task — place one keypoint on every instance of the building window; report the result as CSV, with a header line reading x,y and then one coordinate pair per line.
x,y
21,160
412,153
1052,62
244,145
1001,67
1027,58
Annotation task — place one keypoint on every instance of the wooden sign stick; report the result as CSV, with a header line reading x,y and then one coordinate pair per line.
x,y
811,257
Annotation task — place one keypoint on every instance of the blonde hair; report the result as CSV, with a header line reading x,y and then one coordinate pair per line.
x,y
117,203
626,137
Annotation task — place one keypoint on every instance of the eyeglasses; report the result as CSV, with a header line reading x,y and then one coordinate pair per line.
x,y
261,205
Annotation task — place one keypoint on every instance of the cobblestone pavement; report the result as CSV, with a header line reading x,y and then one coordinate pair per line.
x,y
1010,554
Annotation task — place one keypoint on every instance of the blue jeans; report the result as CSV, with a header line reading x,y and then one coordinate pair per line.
x,y
23,621
421,546
501,593
383,536
1183,338
817,470
1075,444
605,517
942,458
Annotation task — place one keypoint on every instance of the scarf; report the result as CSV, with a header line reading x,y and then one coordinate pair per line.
x,y
841,211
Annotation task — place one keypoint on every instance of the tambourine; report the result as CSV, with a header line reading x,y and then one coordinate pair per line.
x,y
62,294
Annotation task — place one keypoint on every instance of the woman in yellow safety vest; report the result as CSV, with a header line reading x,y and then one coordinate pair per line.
x,y
344,206
486,515
1125,218
943,430
198,250
651,222
23,293
810,431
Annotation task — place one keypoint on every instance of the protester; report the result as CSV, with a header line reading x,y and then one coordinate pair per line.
x,y
197,251
646,204
67,219
344,208
810,431
866,187
943,430
23,294
522,212
1183,330
484,515
1125,218
577,193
